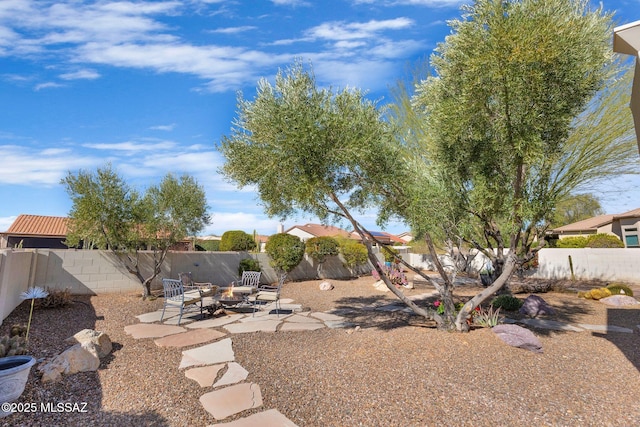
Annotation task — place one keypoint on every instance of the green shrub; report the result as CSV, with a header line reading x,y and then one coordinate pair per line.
x,y
620,289
507,302
319,248
237,240
208,245
285,250
248,264
353,252
390,253
604,241
572,242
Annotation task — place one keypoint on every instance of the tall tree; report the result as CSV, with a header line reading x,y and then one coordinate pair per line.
x,y
509,82
575,208
110,215
312,150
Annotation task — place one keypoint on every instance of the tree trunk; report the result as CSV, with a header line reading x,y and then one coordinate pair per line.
x,y
465,312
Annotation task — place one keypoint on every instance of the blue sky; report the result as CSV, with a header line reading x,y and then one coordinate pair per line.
x,y
150,86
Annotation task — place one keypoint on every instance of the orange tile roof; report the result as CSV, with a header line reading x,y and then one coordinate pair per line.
x,y
39,225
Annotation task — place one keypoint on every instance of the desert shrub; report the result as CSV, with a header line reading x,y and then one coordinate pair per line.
x,y
285,250
353,253
248,264
488,318
507,302
55,299
604,241
572,242
319,248
236,240
390,253
595,294
620,289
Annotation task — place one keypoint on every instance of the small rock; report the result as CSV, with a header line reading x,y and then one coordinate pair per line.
x,y
534,306
326,286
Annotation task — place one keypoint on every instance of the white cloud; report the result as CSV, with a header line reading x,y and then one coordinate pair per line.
x,y
356,30
6,221
167,128
132,146
233,30
47,85
84,74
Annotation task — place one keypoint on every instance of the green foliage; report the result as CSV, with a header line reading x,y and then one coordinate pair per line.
x,y
572,242
390,253
604,241
487,318
353,253
319,248
574,208
237,240
285,250
209,245
620,289
507,302
108,214
248,264
310,149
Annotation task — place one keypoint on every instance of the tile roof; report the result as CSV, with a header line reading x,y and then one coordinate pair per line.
x,y
596,221
39,225
318,230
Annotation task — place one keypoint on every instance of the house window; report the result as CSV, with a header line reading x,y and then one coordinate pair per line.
x,y
631,237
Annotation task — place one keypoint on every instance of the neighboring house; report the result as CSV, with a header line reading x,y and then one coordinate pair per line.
x,y
382,237
36,231
307,231
49,232
406,236
625,226
626,39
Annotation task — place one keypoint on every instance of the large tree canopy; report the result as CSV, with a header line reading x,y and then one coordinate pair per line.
x,y
309,149
509,82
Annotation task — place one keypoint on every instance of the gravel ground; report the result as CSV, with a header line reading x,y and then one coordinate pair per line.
x,y
395,370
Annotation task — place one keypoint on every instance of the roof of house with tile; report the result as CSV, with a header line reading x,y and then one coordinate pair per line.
x,y
39,225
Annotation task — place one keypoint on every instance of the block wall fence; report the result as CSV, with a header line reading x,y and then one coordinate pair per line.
x,y
98,272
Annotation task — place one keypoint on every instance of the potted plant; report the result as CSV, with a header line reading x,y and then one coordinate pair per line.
x,y
15,364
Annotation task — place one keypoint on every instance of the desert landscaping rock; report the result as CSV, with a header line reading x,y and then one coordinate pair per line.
x,y
517,336
534,306
232,400
143,330
325,286
620,300
100,339
210,354
155,316
193,337
270,418
204,375
550,324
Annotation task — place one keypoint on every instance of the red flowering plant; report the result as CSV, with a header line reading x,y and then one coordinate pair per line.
x,y
439,308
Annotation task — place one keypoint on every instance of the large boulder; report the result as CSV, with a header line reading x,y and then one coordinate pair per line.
x,y
517,336
533,306
326,286
100,339
83,356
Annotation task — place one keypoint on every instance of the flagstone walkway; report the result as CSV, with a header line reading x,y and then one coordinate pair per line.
x,y
231,394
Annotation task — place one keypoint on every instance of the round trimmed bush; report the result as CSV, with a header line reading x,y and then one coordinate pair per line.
x,y
507,302
236,240
248,264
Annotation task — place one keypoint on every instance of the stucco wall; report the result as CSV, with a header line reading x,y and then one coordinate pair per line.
x,y
618,264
